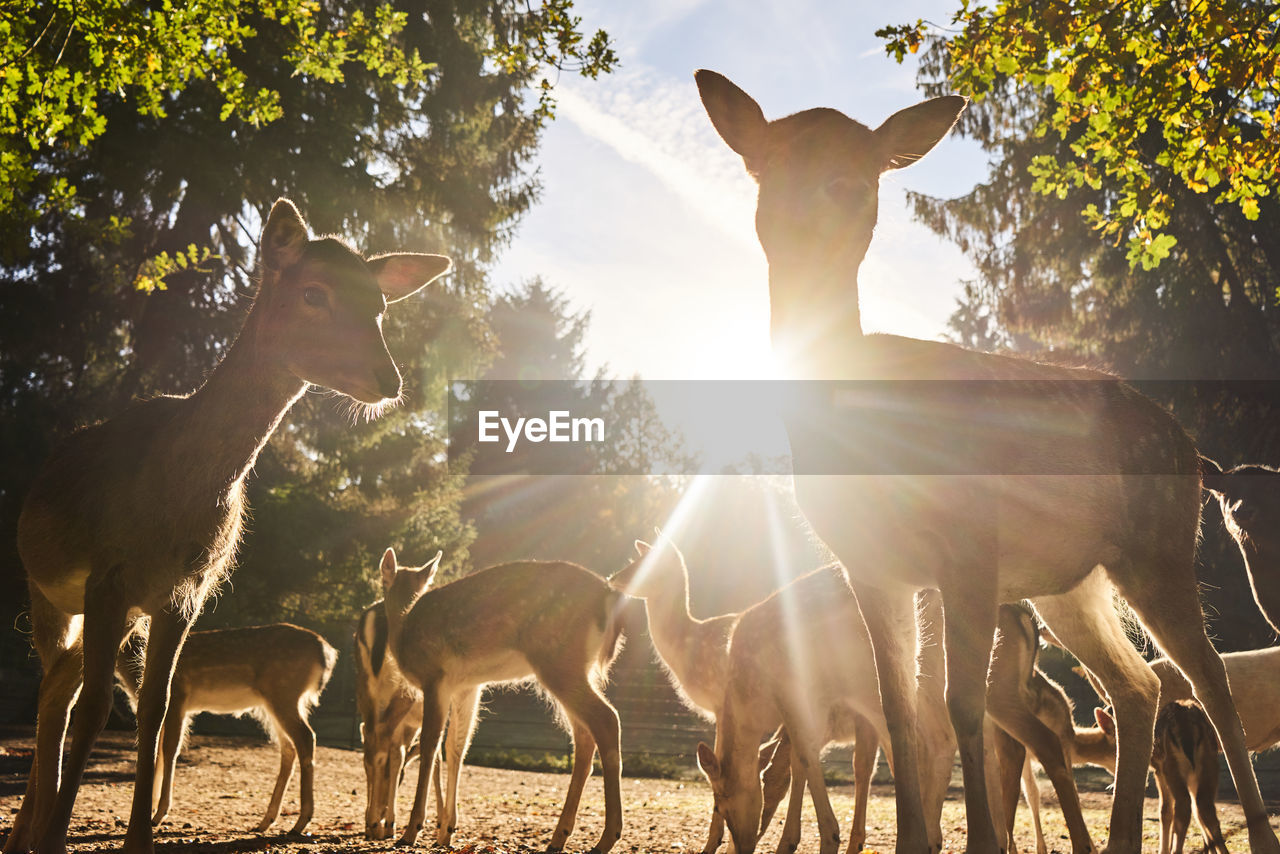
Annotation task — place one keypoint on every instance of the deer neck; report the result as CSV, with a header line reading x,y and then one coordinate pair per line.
x,y
815,321
234,413
670,624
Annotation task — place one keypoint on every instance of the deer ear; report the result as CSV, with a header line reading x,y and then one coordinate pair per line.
x,y
643,548
909,134
1105,721
432,567
283,237
388,568
405,273
1213,477
707,761
734,114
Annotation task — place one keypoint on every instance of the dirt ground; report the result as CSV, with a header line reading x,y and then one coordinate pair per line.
x,y
223,783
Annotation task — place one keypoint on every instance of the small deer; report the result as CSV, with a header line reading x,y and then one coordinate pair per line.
x,y
1035,713
1185,762
275,673
390,717
802,659
1249,496
546,620
696,656
1126,520
142,514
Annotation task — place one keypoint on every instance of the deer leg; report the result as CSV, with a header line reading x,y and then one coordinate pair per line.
x,y
1170,611
1031,791
105,621
866,750
891,622
1012,757
1206,794
164,640
288,755
56,640
1084,619
969,631
297,732
462,725
776,778
1023,725
435,705
1181,818
586,706
584,752
173,732
790,839
807,764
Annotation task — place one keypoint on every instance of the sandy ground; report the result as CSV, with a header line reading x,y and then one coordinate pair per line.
x,y
223,784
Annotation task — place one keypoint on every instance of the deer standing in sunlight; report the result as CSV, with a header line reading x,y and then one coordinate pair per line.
x,y
1001,480
695,654
549,621
275,673
142,514
1249,496
390,717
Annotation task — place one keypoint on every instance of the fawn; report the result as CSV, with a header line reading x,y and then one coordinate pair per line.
x,y
1014,527
546,620
275,672
142,514
1185,762
695,654
1250,500
390,717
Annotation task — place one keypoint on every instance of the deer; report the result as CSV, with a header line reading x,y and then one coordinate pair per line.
x,y
390,717
275,673
1032,711
142,514
989,478
1185,762
802,659
1249,496
695,654
550,621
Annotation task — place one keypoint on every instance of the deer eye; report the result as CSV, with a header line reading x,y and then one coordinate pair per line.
x,y
317,297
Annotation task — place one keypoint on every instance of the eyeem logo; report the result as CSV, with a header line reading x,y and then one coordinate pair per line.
x,y
558,426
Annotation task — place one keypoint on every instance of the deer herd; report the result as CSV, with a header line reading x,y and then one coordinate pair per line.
x,y
1014,511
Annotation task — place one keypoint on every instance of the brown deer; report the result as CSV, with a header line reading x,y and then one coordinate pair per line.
x,y
695,654
275,673
1000,480
142,514
1249,496
1035,713
452,641
390,717
802,659
1185,762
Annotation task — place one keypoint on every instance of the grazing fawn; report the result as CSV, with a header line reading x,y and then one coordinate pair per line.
x,y
802,659
1033,713
696,655
1127,516
1185,762
142,514
546,620
276,673
390,717
1250,500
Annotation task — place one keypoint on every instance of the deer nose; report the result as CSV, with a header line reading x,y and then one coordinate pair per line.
x,y
388,381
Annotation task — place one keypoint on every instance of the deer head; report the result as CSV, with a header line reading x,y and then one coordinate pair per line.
x,y
657,569
1250,499
320,305
402,586
819,174
737,792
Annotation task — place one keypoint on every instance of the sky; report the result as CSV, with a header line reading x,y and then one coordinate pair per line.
x,y
645,217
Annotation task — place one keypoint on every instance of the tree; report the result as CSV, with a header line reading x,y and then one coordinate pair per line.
x,y
1154,99
430,153
1202,330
